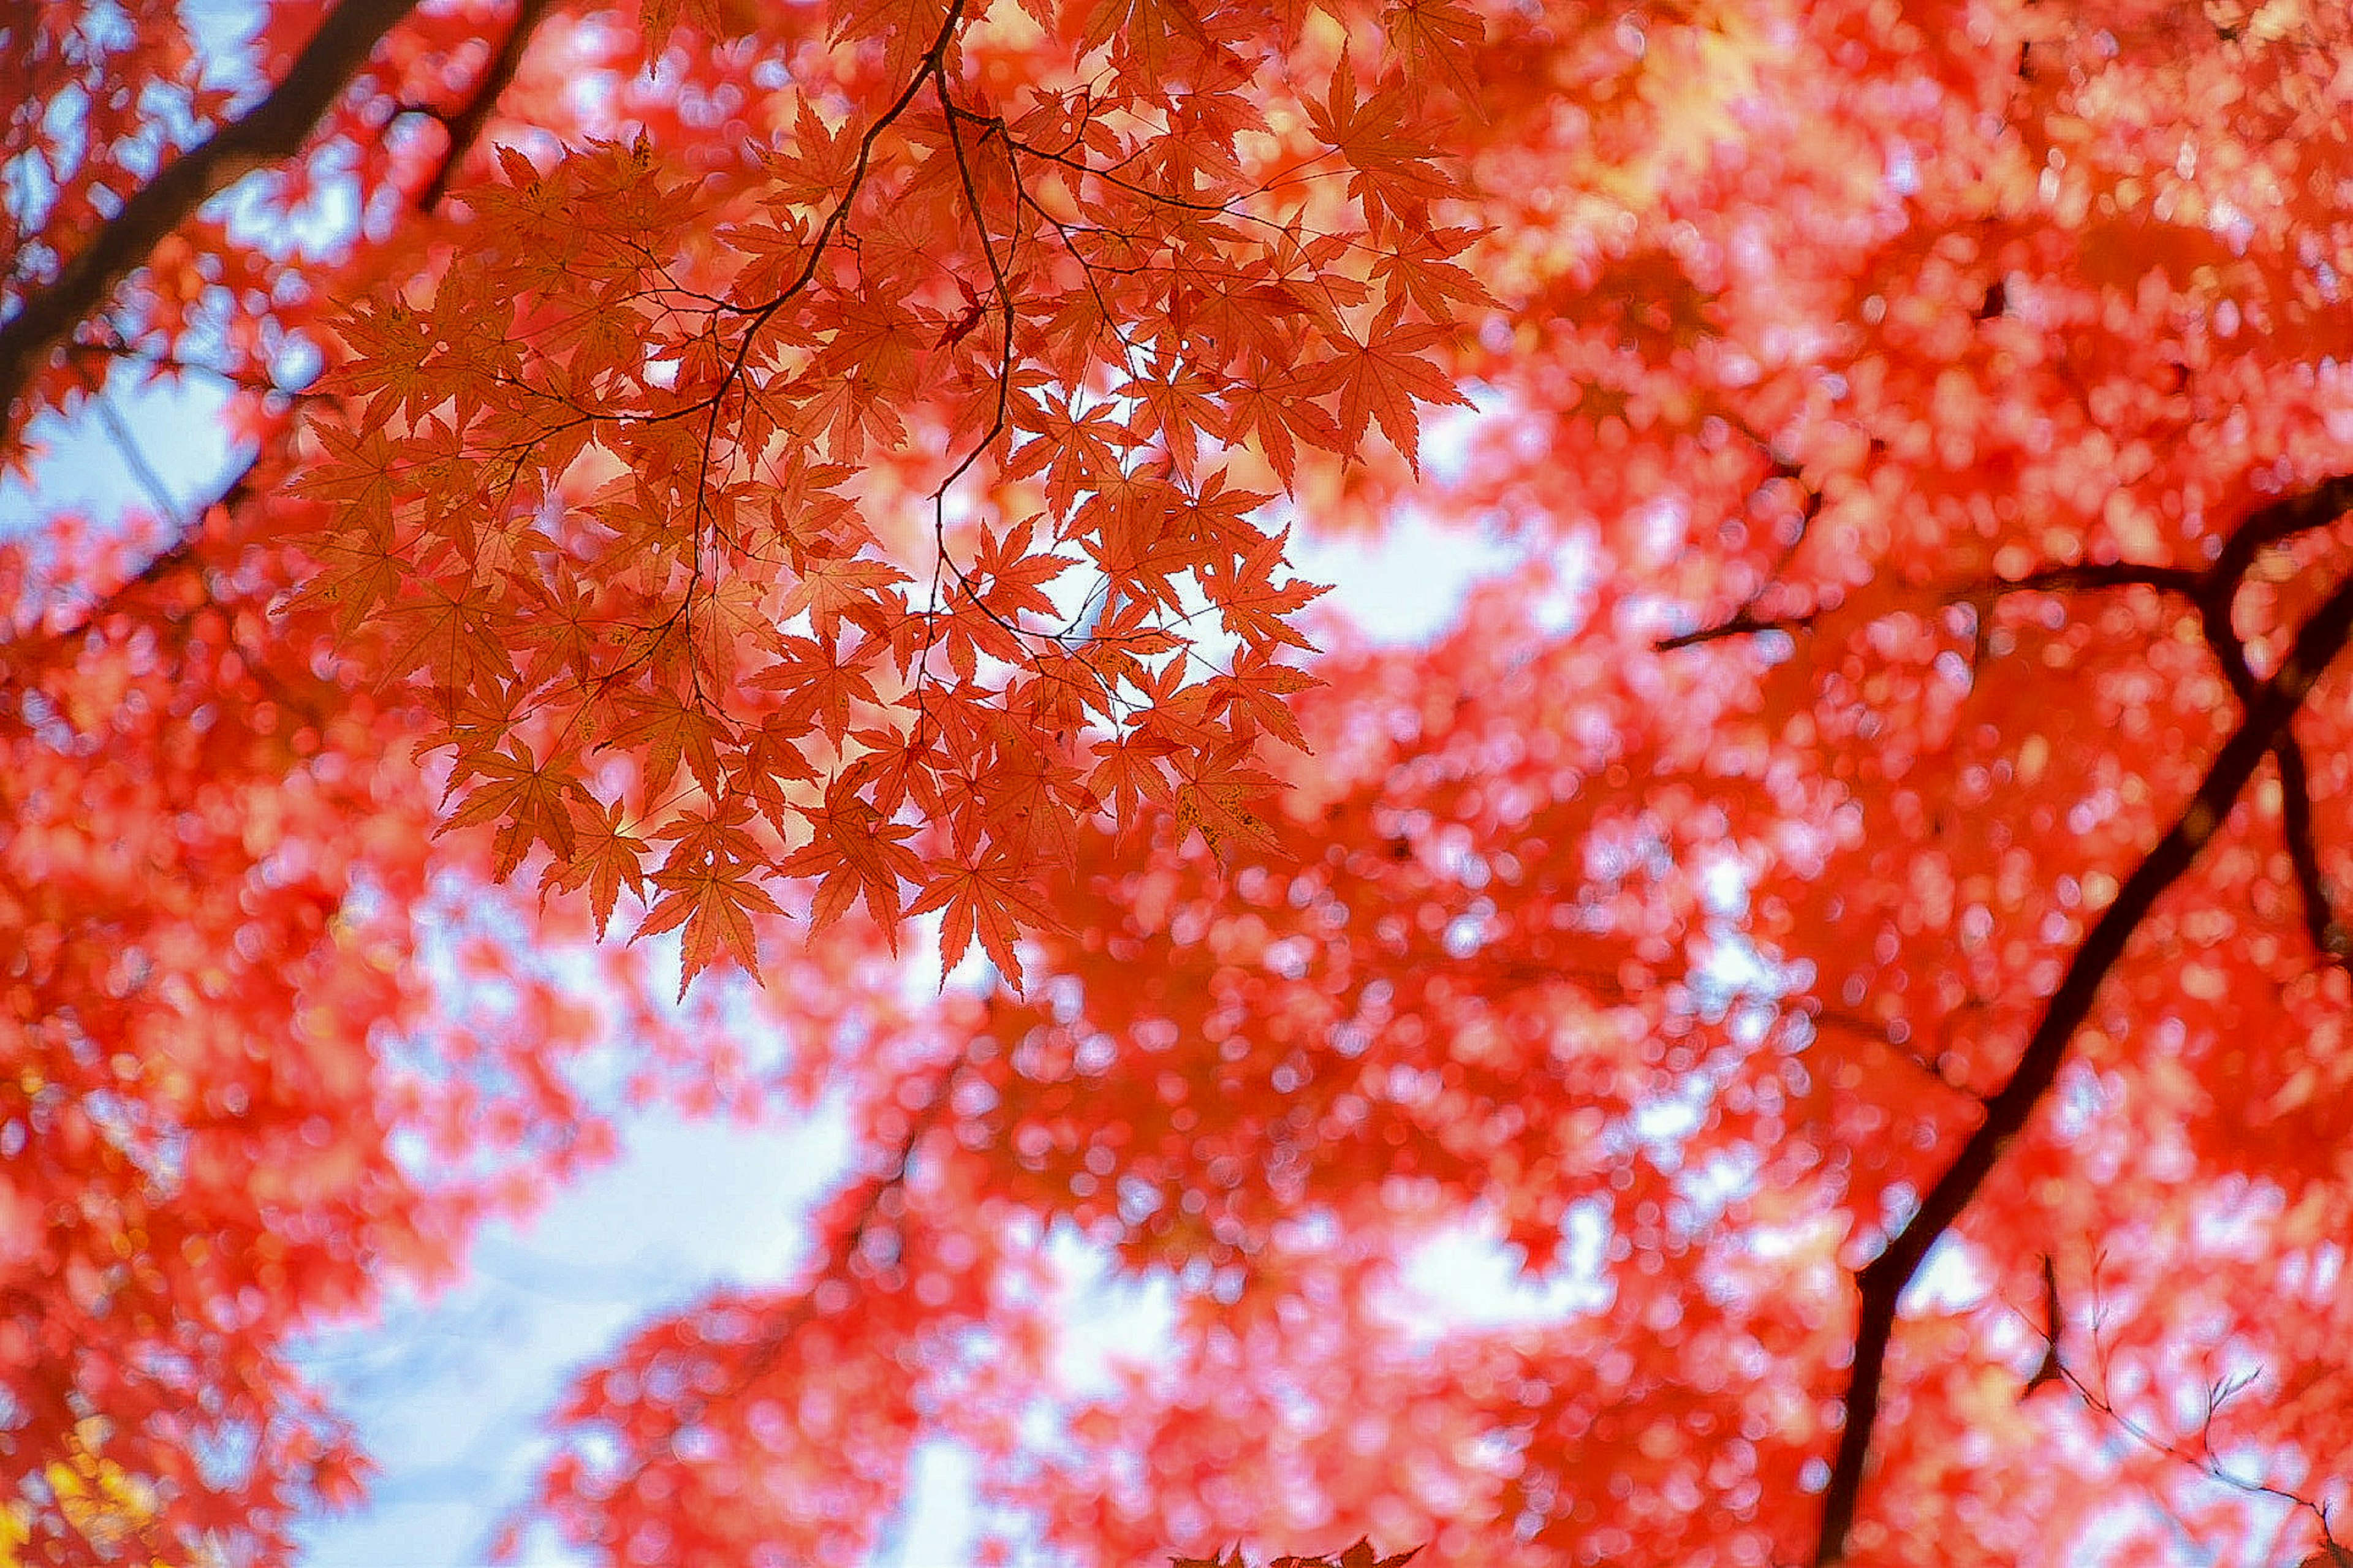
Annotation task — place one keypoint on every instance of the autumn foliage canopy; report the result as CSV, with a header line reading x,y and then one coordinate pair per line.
x,y
768,543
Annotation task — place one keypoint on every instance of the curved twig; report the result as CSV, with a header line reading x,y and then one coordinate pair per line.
x,y
2056,1368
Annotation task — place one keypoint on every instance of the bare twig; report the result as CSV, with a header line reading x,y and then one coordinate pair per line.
x,y
2214,601
2203,1459
1869,1029
1745,621
1739,624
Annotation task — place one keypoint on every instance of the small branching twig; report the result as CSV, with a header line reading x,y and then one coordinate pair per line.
x,y
2201,1458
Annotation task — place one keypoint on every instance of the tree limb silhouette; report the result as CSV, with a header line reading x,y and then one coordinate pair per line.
x,y
2268,710
270,132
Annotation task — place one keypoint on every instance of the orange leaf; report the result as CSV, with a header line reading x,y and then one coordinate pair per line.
x,y
994,899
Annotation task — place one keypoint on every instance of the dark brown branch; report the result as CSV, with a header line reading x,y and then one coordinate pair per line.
x,y
2052,1369
2217,584
2320,921
1739,624
2213,590
2049,580
270,132
1865,1029
2295,782
2104,575
2283,519
2267,709
464,125
1744,621
1882,1281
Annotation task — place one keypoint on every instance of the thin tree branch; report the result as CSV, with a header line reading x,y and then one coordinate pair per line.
x,y
1739,624
135,458
1744,621
100,352
1882,1282
1865,1029
2204,1461
465,124
2213,590
875,1193
844,1253
179,555
273,129
2294,777
2320,923
2283,519
2052,1368
2049,580
2295,787
2105,574
2268,710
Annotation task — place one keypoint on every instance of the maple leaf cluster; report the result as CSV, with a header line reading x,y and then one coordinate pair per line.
x,y
1852,913
236,1101
864,509
1875,815
1360,1556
